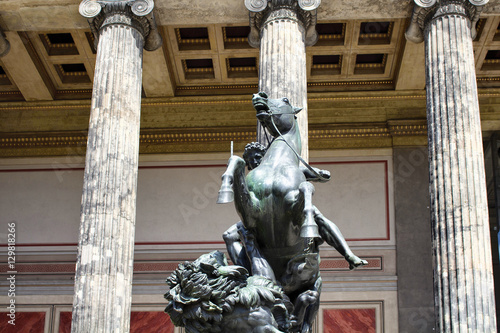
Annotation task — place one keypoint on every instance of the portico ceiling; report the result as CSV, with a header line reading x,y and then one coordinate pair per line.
x,y
365,81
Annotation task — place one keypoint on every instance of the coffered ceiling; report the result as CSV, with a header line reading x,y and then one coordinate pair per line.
x,y
208,59
206,71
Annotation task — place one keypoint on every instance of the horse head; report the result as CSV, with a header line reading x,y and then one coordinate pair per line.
x,y
275,114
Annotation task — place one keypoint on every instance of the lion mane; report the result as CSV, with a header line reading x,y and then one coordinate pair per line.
x,y
207,295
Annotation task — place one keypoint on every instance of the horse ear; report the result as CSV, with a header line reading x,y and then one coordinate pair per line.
x,y
296,110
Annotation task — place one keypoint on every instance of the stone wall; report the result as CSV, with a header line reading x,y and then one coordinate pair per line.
x,y
413,240
178,220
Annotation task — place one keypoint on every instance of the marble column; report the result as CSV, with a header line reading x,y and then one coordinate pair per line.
x,y
103,282
463,281
282,29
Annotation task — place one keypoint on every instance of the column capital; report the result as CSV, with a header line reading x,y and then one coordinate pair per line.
x,y
425,11
265,11
137,14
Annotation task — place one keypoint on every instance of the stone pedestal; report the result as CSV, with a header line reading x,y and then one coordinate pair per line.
x,y
103,282
463,285
282,29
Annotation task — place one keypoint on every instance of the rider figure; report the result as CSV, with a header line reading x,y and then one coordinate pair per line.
x,y
254,152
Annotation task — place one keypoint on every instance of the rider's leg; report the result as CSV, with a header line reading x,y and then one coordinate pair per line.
x,y
259,264
331,234
235,249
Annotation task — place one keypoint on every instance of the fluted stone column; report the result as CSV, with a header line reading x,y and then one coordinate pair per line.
x,y
282,29
463,283
103,282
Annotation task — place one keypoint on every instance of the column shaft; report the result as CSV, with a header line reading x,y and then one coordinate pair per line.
x,y
103,284
463,268
282,67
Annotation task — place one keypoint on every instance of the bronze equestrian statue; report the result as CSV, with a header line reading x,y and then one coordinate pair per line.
x,y
280,229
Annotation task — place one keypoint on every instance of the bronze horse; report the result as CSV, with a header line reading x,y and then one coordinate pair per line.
x,y
281,230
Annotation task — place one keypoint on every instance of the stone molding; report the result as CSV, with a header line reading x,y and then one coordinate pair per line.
x,y
263,12
4,44
137,14
426,11
195,140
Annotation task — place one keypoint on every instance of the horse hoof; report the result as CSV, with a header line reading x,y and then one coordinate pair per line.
x,y
309,231
225,196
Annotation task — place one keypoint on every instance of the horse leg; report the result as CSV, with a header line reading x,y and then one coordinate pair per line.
x,y
234,186
331,234
312,309
309,228
226,192
302,304
305,308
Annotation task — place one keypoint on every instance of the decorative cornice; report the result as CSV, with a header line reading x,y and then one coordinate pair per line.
x,y
425,11
75,141
309,84
265,11
4,44
210,139
407,127
137,14
221,101
337,132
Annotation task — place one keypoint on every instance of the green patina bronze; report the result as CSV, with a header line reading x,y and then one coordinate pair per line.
x,y
280,230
